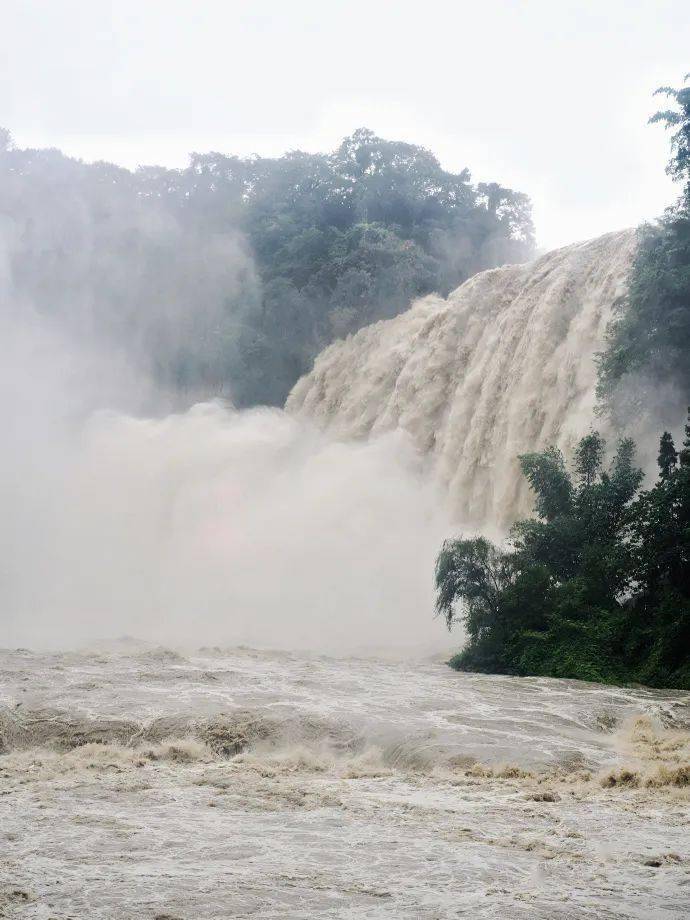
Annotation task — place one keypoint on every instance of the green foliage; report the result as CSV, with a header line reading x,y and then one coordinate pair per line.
x,y
588,457
648,341
678,120
684,455
355,235
596,587
668,455
232,274
476,570
550,482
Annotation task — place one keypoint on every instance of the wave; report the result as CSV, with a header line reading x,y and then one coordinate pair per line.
x,y
648,754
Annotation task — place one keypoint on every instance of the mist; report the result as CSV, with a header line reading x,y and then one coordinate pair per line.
x,y
207,525
98,256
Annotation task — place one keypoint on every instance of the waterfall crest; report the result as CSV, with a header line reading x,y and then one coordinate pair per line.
x,y
505,365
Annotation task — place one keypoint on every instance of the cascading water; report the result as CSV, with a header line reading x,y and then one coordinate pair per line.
x,y
505,365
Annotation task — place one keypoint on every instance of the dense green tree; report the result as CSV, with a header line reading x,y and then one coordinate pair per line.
x,y
550,482
668,455
477,571
588,457
660,538
684,455
596,586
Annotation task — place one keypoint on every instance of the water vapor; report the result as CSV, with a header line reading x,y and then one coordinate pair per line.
x,y
207,525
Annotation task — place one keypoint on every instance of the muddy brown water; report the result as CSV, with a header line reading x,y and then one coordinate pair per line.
x,y
137,781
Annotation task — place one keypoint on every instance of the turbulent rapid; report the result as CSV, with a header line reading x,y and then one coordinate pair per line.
x,y
137,781
506,364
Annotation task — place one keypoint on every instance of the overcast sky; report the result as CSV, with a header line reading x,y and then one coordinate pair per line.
x,y
548,96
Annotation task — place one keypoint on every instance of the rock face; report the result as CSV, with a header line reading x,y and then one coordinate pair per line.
x,y
505,365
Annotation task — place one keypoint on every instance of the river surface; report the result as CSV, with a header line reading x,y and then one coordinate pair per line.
x,y
137,781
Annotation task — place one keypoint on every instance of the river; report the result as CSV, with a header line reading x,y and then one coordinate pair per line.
x,y
138,781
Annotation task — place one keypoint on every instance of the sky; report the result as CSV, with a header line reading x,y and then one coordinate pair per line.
x,y
551,98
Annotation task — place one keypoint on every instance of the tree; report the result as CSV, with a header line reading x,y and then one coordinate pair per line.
x,y
684,455
229,276
677,120
475,572
588,457
668,455
596,586
660,538
549,481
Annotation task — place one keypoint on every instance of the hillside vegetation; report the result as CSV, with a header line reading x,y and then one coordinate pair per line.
x,y
229,276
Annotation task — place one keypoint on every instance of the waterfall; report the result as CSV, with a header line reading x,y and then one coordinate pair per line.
x,y
504,365
254,526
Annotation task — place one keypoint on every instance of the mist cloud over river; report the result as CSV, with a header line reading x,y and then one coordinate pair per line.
x,y
206,523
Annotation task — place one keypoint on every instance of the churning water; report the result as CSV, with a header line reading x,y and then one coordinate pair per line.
x,y
140,782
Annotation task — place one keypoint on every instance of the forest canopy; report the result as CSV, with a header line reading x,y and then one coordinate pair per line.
x,y
229,276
